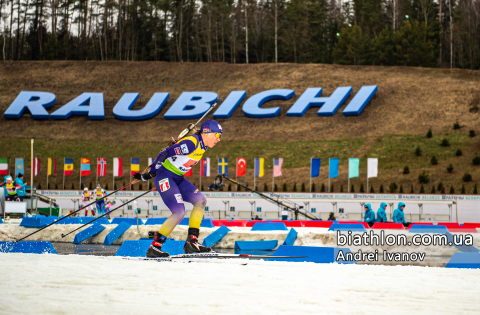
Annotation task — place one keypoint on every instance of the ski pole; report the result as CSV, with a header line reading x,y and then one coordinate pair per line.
x,y
63,235
189,128
68,215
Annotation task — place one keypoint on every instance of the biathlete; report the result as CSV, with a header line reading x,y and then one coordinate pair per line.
x,y
100,204
168,170
86,199
10,188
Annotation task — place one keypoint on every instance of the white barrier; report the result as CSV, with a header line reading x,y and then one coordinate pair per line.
x,y
345,206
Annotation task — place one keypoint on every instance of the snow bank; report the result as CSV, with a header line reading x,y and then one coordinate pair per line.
x,y
58,284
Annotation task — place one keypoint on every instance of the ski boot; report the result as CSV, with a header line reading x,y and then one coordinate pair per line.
x,y
155,250
192,246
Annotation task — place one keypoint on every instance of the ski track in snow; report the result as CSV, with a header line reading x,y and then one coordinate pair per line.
x,y
73,284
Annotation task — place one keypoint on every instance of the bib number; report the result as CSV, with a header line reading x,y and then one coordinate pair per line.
x,y
164,185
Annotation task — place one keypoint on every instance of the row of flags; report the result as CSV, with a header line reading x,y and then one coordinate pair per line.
x,y
241,167
353,167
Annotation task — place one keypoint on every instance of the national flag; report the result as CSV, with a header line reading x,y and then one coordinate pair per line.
x,y
315,167
101,167
189,173
223,166
277,167
150,161
372,167
353,168
259,163
135,166
3,166
52,166
36,166
241,166
19,167
84,167
205,170
68,166
117,167
333,167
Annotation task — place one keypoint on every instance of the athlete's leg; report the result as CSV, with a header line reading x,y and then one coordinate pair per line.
x,y
168,189
192,195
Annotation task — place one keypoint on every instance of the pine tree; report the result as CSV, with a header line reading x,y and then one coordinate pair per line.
x,y
303,187
73,186
411,189
381,189
429,133
422,189
433,190
48,186
439,187
341,188
463,192
313,187
371,189
442,191
39,186
90,187
239,188
401,189
265,187
229,187
56,186
115,186
475,192
106,186
202,188
140,187
323,188
276,188
361,188
284,187
452,190
295,186
352,189
332,188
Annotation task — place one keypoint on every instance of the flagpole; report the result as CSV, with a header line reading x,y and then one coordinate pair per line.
x,y
273,175
48,164
311,174
80,174
63,173
113,174
254,171
31,174
328,183
348,183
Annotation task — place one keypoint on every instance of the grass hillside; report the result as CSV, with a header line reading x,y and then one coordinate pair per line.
x,y
409,102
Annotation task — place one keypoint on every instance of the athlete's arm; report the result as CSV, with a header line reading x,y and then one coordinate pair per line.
x,y
182,148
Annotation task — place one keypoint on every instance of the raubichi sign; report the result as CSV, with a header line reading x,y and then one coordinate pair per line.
x,y
192,104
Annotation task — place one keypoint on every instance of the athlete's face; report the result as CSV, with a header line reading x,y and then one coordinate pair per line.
x,y
210,139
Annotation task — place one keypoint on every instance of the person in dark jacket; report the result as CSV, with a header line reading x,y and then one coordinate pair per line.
x,y
369,215
331,217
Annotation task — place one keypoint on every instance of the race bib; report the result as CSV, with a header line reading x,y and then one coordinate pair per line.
x,y
164,185
179,198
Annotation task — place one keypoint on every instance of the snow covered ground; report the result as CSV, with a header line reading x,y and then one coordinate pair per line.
x,y
71,284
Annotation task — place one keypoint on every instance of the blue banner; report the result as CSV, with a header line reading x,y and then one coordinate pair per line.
x,y
19,168
334,168
315,167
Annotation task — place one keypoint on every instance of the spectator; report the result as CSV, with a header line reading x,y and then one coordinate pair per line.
x,y
257,218
399,216
369,215
381,214
19,181
331,217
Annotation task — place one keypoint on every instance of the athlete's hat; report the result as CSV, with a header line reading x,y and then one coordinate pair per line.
x,y
211,126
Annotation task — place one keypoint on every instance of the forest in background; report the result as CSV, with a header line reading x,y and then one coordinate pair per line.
x,y
360,32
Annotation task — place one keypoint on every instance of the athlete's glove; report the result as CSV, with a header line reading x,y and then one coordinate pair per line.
x,y
143,177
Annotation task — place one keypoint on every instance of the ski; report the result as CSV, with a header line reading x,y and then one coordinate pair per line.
x,y
212,255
